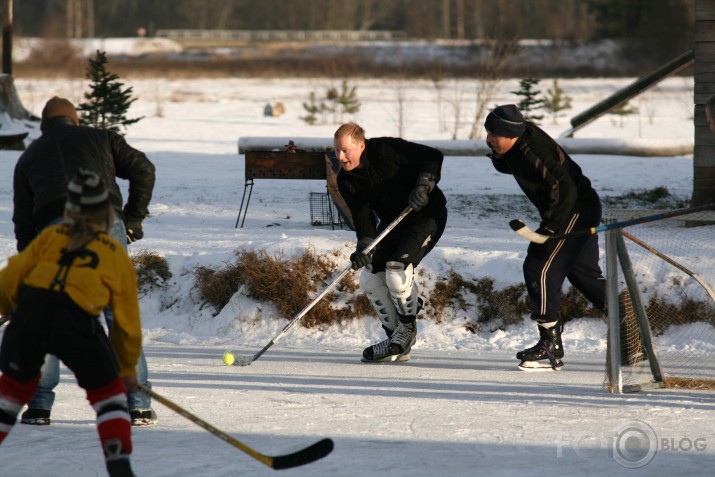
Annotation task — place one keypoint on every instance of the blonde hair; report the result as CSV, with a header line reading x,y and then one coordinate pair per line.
x,y
83,226
351,130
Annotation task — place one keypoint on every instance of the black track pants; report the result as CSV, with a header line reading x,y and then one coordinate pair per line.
x,y
548,265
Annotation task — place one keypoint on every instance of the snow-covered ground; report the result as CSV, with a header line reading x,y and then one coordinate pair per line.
x,y
459,407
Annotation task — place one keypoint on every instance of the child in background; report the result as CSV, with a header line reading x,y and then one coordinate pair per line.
x,y
54,291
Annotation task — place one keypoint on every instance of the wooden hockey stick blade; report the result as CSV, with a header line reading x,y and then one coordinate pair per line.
x,y
286,461
525,231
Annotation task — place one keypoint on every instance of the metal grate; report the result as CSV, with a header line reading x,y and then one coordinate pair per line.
x,y
323,210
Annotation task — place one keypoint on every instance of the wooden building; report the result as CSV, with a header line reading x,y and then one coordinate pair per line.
x,y
704,154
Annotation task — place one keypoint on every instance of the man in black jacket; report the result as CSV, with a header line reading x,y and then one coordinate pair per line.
x,y
554,183
42,174
378,179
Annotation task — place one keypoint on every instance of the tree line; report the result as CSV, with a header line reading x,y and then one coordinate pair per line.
x,y
656,27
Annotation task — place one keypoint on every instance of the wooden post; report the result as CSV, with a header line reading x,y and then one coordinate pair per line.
x,y
704,154
7,37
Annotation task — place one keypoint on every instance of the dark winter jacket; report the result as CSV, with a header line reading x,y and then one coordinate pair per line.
x,y
388,173
46,167
548,176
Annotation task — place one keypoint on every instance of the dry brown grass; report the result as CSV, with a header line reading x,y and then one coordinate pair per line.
x,y
497,308
64,65
664,314
291,284
152,270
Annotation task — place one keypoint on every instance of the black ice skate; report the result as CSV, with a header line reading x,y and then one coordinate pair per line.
x,y
143,417
397,346
36,417
546,354
403,338
120,467
380,353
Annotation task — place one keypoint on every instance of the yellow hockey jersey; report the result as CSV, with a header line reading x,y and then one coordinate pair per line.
x,y
97,275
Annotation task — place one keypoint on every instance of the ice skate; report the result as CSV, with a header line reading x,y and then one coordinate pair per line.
x,y
380,353
546,354
36,417
403,338
120,467
143,417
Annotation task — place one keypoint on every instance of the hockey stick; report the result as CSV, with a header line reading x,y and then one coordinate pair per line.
x,y
304,456
680,267
522,229
243,360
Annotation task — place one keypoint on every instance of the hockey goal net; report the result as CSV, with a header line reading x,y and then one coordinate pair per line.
x,y
662,276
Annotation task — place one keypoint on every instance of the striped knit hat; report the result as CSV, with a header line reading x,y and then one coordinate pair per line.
x,y
86,193
505,121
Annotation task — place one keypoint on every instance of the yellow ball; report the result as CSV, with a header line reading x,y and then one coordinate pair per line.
x,y
228,358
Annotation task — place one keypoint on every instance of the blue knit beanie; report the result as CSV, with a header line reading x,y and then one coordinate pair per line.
x,y
505,121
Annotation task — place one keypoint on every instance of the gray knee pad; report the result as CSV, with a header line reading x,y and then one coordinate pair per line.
x,y
373,284
403,289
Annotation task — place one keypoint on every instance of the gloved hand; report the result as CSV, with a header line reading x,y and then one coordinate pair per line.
x,y
358,259
134,230
419,197
545,230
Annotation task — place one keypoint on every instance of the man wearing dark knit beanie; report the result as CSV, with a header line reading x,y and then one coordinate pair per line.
x,y
505,121
566,202
40,185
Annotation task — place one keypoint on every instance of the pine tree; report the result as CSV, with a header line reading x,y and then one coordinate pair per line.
x,y
531,101
348,101
339,103
556,101
313,109
107,103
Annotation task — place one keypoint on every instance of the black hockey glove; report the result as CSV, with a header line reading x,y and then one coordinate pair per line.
x,y
544,230
419,197
358,259
134,230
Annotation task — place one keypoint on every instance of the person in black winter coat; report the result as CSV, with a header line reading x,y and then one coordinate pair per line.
x,y
40,181
379,178
555,184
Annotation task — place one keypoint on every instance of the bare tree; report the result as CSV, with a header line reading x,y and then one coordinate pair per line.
x,y
446,17
456,102
80,18
489,73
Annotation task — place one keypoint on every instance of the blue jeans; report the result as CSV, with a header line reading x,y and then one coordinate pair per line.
x,y
44,398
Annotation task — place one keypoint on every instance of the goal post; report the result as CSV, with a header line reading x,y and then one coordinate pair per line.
x,y
661,304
